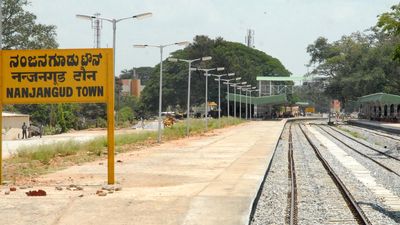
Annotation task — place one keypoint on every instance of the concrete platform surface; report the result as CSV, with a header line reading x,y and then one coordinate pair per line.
x,y
390,127
211,179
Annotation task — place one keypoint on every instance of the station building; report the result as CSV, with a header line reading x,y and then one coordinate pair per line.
x,y
379,107
131,87
272,92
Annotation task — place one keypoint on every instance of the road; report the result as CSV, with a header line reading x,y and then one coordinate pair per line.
x,y
11,146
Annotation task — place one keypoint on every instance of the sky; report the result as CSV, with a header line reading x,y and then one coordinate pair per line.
x,y
283,28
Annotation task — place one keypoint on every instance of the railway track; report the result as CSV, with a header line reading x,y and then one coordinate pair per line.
x,y
361,143
356,210
301,187
372,158
293,186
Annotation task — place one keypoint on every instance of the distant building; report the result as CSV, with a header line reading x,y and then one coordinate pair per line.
x,y
131,87
335,106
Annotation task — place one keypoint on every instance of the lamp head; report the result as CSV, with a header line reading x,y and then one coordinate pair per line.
x,y
173,59
206,58
142,15
140,46
86,17
183,43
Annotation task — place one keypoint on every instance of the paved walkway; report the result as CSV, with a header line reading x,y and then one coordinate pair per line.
x,y
200,180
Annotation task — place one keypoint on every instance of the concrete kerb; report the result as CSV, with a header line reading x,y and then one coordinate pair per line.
x,y
373,126
253,204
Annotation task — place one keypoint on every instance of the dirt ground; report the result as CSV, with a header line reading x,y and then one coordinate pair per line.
x,y
208,179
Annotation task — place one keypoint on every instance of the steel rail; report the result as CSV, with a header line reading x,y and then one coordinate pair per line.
x,y
351,202
362,154
363,144
292,175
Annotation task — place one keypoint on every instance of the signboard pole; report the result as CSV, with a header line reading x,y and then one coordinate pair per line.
x,y
110,122
60,76
1,142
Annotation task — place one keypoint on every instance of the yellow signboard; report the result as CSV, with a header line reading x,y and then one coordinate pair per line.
x,y
60,76
55,75
310,110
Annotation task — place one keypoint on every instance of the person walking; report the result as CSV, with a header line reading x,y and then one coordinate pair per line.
x,y
24,128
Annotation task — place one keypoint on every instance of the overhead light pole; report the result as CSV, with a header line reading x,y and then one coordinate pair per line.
x,y
247,87
219,93
189,61
206,74
235,86
227,91
161,47
245,91
251,90
240,98
114,25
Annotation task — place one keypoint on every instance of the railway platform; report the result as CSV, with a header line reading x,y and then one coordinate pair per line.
x,y
385,126
212,179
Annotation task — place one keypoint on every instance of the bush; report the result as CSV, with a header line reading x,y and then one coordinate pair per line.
x,y
125,115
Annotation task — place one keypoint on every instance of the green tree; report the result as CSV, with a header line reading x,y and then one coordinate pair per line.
x,y
142,73
125,114
20,29
245,62
389,22
357,64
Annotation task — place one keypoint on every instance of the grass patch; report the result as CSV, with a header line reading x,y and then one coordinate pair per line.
x,y
352,133
34,161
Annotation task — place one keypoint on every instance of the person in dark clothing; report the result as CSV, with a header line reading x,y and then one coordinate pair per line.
x,y
41,130
24,128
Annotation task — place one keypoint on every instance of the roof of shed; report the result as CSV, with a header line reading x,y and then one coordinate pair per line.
x,y
264,100
380,98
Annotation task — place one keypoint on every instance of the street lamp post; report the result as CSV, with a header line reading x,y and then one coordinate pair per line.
x,y
227,91
219,93
114,25
206,74
234,99
248,87
189,61
161,47
240,98
251,90
111,107
245,89
235,86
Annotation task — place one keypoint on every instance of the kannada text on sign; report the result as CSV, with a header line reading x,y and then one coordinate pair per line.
x,y
54,76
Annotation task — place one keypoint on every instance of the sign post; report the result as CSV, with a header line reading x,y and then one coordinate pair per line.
x,y
60,76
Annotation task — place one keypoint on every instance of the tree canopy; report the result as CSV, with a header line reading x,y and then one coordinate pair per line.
x,y
360,63
20,29
389,23
237,58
